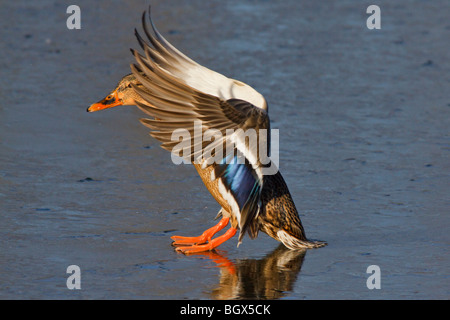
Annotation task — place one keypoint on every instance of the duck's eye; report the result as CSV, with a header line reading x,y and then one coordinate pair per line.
x,y
129,86
109,97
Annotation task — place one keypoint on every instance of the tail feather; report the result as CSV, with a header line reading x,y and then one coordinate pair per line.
x,y
294,243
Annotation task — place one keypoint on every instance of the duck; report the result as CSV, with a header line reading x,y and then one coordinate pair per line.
x,y
185,99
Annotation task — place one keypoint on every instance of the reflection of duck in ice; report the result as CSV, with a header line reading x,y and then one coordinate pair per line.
x,y
272,277
177,92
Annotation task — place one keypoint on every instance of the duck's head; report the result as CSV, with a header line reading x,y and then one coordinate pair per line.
x,y
122,95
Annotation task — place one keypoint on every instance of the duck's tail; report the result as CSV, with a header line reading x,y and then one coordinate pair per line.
x,y
295,243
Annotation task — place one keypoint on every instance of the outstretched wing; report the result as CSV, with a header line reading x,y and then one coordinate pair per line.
x,y
193,74
185,97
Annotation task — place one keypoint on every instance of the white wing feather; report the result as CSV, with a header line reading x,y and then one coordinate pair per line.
x,y
206,80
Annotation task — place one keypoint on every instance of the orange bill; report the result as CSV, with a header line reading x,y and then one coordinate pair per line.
x,y
112,100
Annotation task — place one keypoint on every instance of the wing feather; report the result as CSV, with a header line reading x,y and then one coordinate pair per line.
x,y
179,93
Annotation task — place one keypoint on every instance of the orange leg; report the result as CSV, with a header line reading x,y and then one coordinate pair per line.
x,y
204,238
214,243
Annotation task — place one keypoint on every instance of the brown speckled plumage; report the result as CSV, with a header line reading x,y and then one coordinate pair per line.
x,y
279,212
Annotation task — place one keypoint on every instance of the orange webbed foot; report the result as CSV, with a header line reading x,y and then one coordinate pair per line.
x,y
214,243
204,238
190,241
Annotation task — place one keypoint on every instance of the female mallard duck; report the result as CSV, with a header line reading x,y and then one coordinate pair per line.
x,y
179,93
